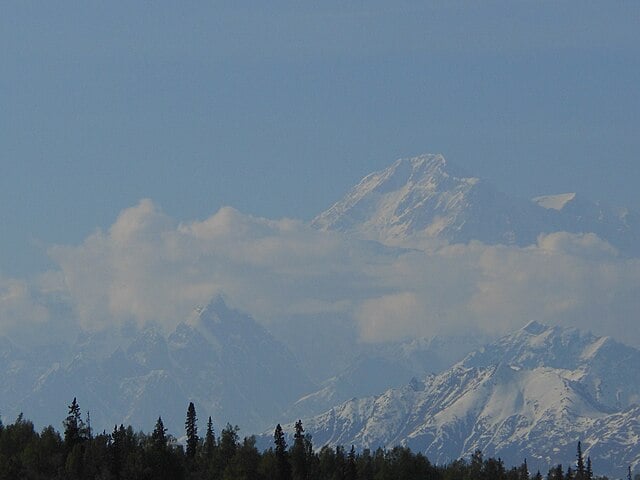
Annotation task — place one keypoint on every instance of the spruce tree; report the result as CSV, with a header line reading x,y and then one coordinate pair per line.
x,y
351,472
580,470
159,435
192,431
569,475
209,439
299,454
558,474
283,468
523,471
73,426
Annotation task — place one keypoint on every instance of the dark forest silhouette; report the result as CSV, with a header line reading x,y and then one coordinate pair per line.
x,y
125,454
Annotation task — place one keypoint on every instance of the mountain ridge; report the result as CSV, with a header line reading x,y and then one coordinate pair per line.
x,y
504,399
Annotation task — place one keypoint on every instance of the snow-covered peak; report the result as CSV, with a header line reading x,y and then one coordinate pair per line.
x,y
531,393
554,202
413,195
427,196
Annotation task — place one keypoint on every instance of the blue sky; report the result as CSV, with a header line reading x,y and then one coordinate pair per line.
x,y
278,110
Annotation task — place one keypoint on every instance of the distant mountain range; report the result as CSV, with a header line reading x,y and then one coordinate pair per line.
x,y
535,392
221,359
538,390
426,196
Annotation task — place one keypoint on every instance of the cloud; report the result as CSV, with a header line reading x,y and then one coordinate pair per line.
x,y
17,303
148,267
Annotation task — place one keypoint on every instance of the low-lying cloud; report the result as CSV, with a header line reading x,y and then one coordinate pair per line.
x,y
148,267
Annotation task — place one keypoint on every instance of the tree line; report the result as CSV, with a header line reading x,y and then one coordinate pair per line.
x,y
124,454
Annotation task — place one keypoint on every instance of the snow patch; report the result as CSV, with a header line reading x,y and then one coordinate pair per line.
x,y
554,202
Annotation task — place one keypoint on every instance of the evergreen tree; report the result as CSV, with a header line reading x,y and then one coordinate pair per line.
x,y
209,439
364,465
580,470
629,473
523,471
227,447
569,475
341,463
298,454
589,471
73,426
116,451
192,431
476,466
159,435
494,469
283,469
556,473
245,464
352,469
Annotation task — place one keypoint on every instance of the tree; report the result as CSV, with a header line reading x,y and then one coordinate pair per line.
x,y
192,431
283,469
580,470
227,447
209,439
246,462
298,454
73,426
569,475
351,472
556,473
523,471
159,435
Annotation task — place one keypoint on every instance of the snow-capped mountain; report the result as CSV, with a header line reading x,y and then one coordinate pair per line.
x,y
427,196
535,392
382,366
230,366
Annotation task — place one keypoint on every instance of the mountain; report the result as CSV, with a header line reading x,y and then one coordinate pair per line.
x,y
223,360
427,196
532,393
382,366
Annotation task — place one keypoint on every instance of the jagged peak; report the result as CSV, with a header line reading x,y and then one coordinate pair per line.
x,y
424,166
535,328
217,304
215,309
432,160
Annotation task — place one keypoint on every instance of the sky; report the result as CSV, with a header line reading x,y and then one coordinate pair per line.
x,y
124,118
277,109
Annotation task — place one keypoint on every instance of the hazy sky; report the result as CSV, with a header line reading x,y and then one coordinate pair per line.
x,y
277,108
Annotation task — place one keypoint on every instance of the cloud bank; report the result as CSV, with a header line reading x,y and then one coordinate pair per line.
x,y
148,267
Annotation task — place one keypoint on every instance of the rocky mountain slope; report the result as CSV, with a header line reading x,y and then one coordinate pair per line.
x,y
535,392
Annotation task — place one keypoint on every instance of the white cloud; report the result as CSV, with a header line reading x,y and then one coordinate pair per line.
x,y
149,267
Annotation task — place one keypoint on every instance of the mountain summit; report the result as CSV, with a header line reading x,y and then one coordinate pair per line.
x,y
427,196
